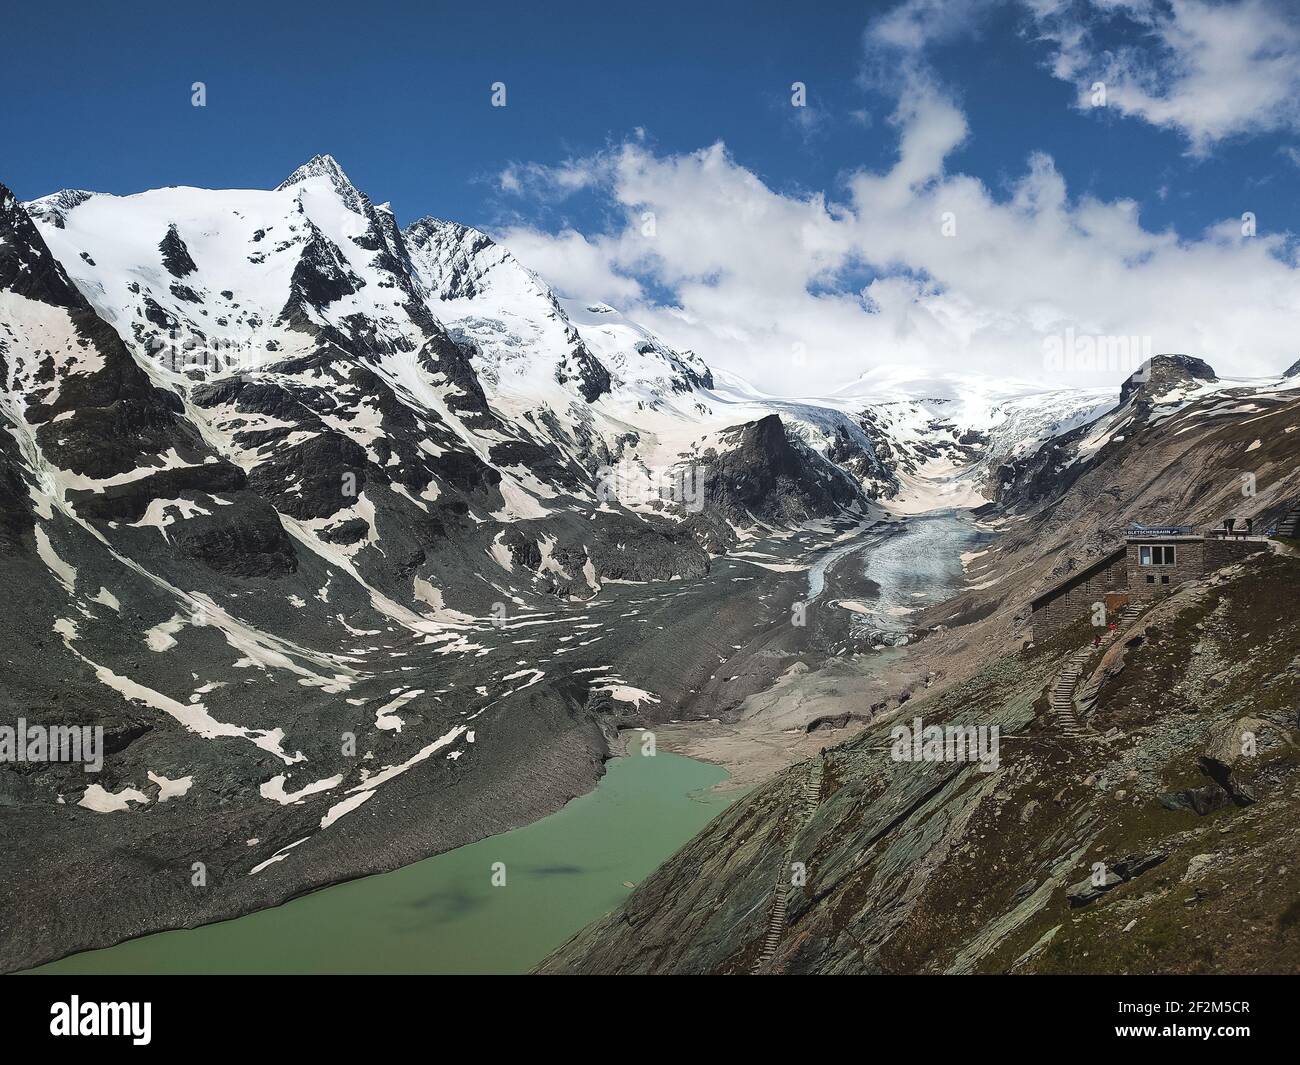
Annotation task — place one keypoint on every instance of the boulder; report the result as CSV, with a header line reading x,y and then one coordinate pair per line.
x,y
1203,800
1091,888
1132,865
1224,746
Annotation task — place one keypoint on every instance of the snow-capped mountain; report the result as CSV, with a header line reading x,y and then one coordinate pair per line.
x,y
407,401
1164,387
526,350
639,362
595,383
924,442
266,484
313,512
527,341
402,398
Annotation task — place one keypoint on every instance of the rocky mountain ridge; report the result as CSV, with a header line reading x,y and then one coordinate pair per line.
x,y
263,522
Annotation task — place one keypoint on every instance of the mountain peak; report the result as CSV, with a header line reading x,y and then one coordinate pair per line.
x,y
1162,373
54,207
26,265
316,166
451,256
326,166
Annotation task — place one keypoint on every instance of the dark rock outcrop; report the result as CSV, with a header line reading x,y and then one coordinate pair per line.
x,y
175,255
1161,374
763,474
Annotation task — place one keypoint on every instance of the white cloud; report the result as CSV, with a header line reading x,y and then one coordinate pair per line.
x,y
931,127
914,25
573,265
757,276
551,182
1207,70
911,264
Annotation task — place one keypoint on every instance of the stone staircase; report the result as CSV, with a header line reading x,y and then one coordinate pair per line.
x,y
1068,703
811,799
1063,696
775,927
812,791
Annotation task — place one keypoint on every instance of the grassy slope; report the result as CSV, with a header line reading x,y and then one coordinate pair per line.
x,y
933,868
1234,654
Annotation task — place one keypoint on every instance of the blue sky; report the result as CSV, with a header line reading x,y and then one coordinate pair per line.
x,y
403,100
100,99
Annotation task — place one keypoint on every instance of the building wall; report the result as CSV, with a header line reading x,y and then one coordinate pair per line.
x,y
1193,557
1075,601
1150,582
1220,553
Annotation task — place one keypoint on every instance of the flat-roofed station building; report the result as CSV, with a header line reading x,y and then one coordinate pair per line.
x,y
1152,562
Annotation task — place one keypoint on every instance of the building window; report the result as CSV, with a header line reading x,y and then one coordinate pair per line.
x,y
1156,555
1164,580
1151,580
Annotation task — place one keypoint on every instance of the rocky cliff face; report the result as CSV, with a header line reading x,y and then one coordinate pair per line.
x,y
768,476
1162,388
1159,379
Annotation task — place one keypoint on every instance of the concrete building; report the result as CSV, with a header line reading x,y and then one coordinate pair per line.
x,y
1152,563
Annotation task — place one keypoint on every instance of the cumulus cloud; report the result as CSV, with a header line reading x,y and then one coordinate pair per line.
x,y
1207,69
551,182
573,265
911,263
916,266
1210,70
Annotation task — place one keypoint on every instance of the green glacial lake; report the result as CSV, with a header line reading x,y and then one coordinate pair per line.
x,y
443,915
